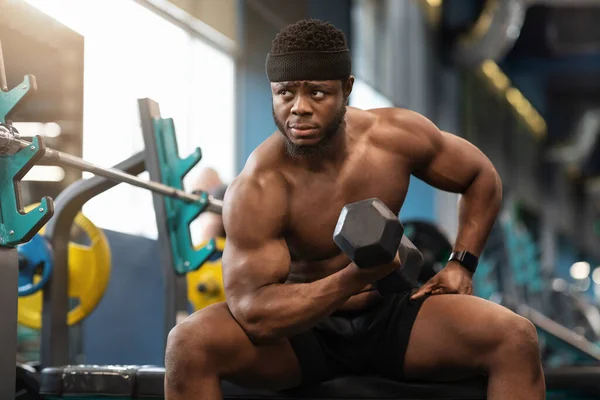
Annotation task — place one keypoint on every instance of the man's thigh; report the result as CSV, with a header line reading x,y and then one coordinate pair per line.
x,y
453,337
220,341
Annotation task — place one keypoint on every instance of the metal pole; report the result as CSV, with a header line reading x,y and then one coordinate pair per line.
x,y
63,159
9,276
3,83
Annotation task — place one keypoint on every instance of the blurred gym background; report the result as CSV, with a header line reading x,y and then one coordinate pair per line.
x,y
518,78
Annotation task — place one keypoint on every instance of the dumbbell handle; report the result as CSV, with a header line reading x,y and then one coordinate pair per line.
x,y
404,278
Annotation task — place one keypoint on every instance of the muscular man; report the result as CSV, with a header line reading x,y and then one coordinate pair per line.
x,y
298,311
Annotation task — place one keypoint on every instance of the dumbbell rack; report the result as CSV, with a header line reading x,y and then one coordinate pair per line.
x,y
16,227
172,221
178,257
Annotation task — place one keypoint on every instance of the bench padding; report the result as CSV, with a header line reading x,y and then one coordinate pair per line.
x,y
147,382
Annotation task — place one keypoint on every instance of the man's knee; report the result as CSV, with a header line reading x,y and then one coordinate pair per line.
x,y
518,340
196,345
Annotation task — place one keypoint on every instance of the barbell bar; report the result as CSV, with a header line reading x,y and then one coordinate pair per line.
x,y
11,143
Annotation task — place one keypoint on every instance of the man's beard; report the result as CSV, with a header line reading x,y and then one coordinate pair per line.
x,y
311,150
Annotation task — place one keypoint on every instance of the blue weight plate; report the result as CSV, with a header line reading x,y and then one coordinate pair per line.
x,y
35,257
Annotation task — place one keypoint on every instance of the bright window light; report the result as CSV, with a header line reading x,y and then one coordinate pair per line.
x,y
363,96
132,53
45,173
50,129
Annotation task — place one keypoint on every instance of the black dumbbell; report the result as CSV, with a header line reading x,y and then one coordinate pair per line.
x,y
371,234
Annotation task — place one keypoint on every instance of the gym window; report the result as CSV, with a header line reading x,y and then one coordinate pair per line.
x,y
130,53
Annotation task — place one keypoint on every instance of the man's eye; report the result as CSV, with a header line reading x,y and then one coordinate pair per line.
x,y
284,92
318,94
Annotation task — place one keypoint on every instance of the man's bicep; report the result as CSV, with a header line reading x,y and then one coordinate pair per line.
x,y
256,253
247,269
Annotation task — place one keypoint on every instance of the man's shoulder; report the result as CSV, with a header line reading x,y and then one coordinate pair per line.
x,y
267,157
393,123
262,171
402,131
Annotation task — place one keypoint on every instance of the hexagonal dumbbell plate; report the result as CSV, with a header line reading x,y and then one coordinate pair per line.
x,y
368,232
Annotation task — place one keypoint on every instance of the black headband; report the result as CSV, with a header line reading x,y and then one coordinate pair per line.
x,y
309,65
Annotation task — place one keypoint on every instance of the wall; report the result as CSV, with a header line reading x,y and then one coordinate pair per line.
x,y
35,43
394,49
218,14
127,326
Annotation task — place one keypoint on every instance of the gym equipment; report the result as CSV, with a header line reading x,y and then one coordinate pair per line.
x,y
55,332
205,285
561,345
89,273
17,156
493,280
432,243
371,234
34,256
485,282
11,139
16,227
129,382
177,256
368,232
27,383
171,170
569,308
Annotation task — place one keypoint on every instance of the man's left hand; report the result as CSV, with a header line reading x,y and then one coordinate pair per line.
x,y
453,279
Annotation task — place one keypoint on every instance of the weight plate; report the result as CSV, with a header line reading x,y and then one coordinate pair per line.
x,y
432,243
35,259
205,285
89,273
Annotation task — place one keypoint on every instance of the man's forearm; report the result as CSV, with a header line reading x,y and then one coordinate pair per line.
x,y
280,310
478,209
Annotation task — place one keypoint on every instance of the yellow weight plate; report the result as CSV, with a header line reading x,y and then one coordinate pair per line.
x,y
89,273
205,285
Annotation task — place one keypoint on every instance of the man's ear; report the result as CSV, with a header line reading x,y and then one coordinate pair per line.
x,y
348,84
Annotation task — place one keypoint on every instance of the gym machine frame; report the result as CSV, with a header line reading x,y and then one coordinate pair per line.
x,y
55,331
54,348
177,255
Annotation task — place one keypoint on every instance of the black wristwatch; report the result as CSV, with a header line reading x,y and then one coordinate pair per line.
x,y
466,259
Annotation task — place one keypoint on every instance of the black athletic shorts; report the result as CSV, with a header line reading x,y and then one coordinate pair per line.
x,y
368,342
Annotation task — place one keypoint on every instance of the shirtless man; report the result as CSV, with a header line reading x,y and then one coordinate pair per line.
x,y
298,311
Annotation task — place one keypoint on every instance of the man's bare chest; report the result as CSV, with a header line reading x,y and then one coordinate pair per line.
x,y
317,200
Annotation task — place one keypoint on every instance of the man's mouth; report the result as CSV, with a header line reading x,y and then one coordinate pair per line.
x,y
303,130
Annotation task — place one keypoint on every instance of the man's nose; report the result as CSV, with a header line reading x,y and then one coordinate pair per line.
x,y
301,106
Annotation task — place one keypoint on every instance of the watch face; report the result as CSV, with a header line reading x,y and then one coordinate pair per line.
x,y
466,259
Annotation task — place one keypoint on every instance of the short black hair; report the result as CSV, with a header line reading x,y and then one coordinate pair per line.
x,y
309,34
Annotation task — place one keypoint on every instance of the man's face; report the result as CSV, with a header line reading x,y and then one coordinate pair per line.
x,y
309,113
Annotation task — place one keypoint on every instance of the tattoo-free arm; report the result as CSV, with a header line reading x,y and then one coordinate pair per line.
x,y
256,265
450,163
